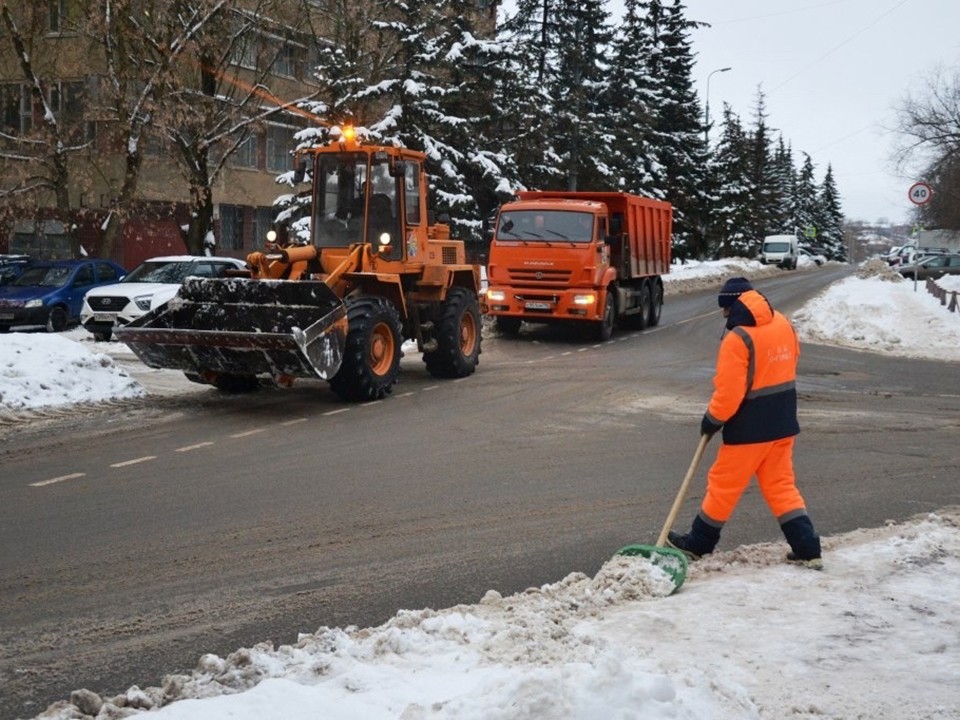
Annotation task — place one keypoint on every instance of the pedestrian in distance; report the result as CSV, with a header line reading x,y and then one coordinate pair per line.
x,y
754,403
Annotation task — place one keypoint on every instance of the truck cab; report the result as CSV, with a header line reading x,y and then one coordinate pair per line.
x,y
578,257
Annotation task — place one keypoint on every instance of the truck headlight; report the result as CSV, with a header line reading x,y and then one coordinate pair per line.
x,y
143,301
36,302
590,299
496,295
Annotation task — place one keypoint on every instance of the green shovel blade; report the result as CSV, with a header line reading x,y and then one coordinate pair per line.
x,y
672,561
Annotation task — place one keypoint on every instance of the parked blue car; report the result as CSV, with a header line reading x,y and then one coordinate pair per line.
x,y
49,293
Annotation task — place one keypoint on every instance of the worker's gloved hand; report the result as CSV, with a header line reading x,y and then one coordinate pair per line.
x,y
708,427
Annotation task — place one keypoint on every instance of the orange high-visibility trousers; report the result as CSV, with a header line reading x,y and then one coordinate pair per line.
x,y
728,477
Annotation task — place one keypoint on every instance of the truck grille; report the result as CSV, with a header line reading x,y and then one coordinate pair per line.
x,y
449,255
531,276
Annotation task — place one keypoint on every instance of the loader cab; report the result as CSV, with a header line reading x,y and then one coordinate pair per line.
x,y
359,197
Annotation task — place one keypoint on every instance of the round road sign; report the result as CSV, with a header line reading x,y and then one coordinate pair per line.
x,y
920,193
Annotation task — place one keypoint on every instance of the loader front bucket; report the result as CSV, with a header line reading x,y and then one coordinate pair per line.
x,y
234,326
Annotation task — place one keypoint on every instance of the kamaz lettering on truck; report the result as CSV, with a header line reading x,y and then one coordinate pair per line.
x,y
580,257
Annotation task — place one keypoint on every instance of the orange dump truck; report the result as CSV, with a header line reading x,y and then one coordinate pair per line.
x,y
587,257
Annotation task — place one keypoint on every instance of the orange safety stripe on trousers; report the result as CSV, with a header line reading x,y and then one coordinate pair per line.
x,y
728,477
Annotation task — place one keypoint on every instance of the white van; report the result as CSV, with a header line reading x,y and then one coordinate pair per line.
x,y
780,250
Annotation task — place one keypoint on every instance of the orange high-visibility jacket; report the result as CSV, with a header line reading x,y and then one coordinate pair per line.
x,y
755,394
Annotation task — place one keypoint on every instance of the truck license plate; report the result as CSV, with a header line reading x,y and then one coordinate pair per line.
x,y
104,317
537,306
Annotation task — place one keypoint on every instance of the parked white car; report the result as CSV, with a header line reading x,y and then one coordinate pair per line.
x,y
147,286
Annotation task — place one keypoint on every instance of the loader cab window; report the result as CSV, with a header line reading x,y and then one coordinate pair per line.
x,y
383,220
411,193
339,206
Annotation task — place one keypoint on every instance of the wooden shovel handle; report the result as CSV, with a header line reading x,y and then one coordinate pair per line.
x,y
682,494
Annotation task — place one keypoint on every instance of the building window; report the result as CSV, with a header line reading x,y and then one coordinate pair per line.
x,y
262,224
14,98
245,154
280,144
57,15
244,51
231,227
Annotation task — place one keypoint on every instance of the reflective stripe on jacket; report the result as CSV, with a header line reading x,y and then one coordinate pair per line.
x,y
755,394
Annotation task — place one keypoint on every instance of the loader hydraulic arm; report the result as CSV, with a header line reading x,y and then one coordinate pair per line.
x,y
287,263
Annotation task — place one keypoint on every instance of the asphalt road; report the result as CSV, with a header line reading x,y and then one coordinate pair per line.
x,y
136,536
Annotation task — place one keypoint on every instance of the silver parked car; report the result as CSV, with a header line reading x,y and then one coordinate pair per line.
x,y
932,266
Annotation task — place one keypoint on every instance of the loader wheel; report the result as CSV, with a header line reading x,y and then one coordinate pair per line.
x,y
371,357
458,336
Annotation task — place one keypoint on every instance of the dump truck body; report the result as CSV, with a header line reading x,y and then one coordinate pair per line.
x,y
373,274
585,257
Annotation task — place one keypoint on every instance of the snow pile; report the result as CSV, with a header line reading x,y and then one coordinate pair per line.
x,y
882,314
747,637
38,370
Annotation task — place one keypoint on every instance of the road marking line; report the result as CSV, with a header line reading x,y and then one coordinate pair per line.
x,y
582,349
336,412
51,481
406,394
430,387
145,458
293,422
194,447
248,433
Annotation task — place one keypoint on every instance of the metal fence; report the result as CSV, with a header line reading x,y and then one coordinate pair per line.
x,y
946,297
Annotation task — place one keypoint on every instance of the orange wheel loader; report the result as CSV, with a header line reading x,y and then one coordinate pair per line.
x,y
374,273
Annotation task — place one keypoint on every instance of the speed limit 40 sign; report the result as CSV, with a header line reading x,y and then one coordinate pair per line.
x,y
920,193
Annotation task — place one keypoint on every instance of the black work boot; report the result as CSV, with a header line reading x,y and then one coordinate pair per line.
x,y
700,541
804,542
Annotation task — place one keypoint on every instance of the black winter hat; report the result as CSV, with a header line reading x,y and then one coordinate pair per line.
x,y
731,290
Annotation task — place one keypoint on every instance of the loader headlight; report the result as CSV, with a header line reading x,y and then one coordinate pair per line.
x,y
589,299
384,238
271,236
496,295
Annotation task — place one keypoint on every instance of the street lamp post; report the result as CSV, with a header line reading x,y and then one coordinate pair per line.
x,y
706,124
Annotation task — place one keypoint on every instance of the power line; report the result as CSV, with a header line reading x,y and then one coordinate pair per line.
x,y
839,45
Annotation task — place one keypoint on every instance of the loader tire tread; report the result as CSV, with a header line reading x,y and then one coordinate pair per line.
x,y
371,356
457,331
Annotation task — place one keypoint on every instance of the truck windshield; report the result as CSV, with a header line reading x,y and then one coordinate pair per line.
x,y
546,225
344,182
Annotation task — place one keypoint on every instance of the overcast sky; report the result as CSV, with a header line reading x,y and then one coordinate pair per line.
x,y
833,72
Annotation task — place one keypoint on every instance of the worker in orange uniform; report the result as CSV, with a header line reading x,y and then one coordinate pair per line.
x,y
755,403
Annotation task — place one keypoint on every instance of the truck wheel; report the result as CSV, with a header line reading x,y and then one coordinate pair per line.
x,y
609,318
656,305
639,319
371,356
458,336
509,325
57,319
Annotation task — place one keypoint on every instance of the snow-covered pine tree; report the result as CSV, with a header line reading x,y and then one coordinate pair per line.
x,y
633,101
806,211
731,190
831,217
681,148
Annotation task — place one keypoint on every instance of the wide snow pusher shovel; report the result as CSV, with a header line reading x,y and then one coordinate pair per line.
x,y
226,331
670,560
